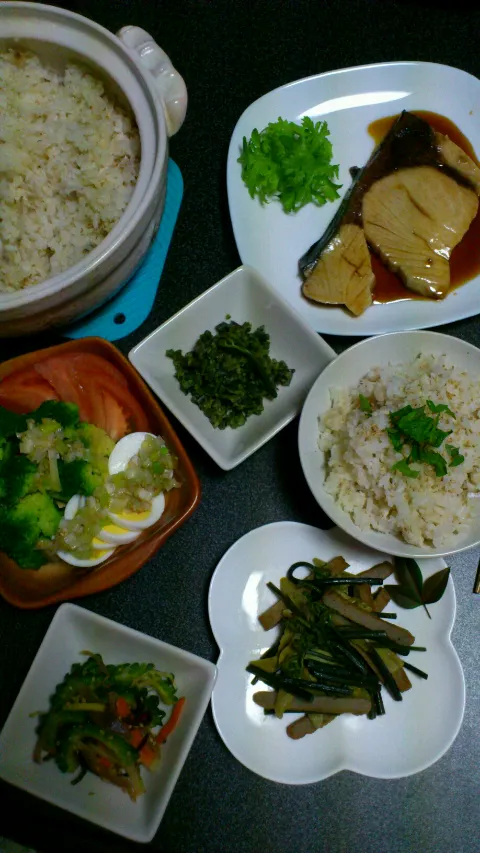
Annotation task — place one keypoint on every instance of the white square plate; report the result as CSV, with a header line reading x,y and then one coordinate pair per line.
x,y
349,100
245,296
73,630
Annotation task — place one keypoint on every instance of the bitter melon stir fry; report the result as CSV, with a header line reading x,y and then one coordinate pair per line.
x,y
107,719
337,648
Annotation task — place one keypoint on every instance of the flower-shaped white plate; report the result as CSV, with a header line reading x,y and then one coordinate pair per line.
x,y
411,736
349,100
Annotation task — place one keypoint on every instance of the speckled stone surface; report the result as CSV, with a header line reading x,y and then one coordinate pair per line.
x,y
231,52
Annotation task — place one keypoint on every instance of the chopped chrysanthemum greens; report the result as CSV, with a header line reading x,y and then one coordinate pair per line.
x,y
229,374
290,162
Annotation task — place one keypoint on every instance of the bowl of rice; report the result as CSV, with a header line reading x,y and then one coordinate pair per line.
x,y
86,117
389,442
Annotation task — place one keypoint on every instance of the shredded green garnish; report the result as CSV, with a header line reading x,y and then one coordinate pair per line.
x,y
291,163
229,374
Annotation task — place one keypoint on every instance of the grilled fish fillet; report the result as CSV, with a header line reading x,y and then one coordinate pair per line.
x,y
343,274
413,219
413,201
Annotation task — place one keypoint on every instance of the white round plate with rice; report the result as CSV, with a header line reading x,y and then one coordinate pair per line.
x,y
347,455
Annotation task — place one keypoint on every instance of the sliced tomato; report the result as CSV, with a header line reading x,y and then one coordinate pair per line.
x,y
24,391
123,413
91,363
98,388
60,372
114,397
136,417
115,420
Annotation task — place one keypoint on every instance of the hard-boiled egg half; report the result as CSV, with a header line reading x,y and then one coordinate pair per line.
x,y
71,509
124,450
125,526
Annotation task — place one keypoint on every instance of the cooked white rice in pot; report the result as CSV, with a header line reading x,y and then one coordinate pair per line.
x,y
428,511
69,161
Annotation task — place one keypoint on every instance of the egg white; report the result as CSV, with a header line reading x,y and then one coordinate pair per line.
x,y
124,450
68,557
141,520
73,505
114,534
102,552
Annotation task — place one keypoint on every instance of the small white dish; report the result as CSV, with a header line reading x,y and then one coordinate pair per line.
x,y
245,296
72,630
411,736
345,372
349,100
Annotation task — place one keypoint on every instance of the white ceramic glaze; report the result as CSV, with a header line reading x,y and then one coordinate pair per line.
x,y
345,372
72,630
245,296
349,100
58,36
411,736
169,82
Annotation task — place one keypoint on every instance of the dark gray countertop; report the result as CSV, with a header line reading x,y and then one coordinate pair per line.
x,y
230,53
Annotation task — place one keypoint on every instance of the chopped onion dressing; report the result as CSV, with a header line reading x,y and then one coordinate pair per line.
x,y
46,443
148,473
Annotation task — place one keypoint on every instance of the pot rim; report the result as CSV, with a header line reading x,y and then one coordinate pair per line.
x,y
133,213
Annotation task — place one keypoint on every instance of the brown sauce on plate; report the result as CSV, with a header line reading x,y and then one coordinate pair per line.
x,y
465,259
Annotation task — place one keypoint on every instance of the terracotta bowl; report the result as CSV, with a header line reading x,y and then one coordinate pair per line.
x,y
60,582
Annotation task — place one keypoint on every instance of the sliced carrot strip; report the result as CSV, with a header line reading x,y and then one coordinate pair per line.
x,y
172,723
122,707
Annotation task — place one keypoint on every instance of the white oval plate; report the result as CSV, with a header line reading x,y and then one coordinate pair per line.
x,y
345,372
349,99
411,736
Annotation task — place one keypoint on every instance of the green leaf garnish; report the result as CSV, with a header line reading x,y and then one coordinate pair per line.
x,y
365,404
403,468
441,407
431,457
396,439
420,431
395,416
290,162
435,586
456,457
411,590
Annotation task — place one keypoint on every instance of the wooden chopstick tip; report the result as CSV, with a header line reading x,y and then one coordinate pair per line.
x,y
476,585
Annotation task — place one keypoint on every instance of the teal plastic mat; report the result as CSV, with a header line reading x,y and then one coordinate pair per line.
x,y
132,305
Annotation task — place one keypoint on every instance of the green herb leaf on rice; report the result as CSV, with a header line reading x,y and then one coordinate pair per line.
x,y
403,468
456,457
441,407
420,432
365,404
